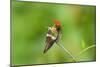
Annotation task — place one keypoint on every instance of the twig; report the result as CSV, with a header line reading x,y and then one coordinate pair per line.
x,y
84,50
67,51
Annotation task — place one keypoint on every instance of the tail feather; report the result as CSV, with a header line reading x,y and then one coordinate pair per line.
x,y
44,51
48,46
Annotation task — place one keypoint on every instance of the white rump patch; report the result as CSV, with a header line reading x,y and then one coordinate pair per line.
x,y
48,35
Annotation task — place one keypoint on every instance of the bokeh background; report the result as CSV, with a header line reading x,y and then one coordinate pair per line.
x,y
29,23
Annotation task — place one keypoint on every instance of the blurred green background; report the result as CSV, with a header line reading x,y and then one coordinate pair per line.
x,y
29,23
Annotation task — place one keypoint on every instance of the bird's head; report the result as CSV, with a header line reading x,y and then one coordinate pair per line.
x,y
57,24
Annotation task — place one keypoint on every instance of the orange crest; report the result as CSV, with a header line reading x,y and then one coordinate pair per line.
x,y
57,23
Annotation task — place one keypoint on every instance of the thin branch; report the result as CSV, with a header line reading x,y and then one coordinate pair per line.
x,y
67,51
84,50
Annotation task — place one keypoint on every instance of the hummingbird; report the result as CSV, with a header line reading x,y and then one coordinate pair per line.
x,y
52,35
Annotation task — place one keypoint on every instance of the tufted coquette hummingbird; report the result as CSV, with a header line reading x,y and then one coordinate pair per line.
x,y
52,35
